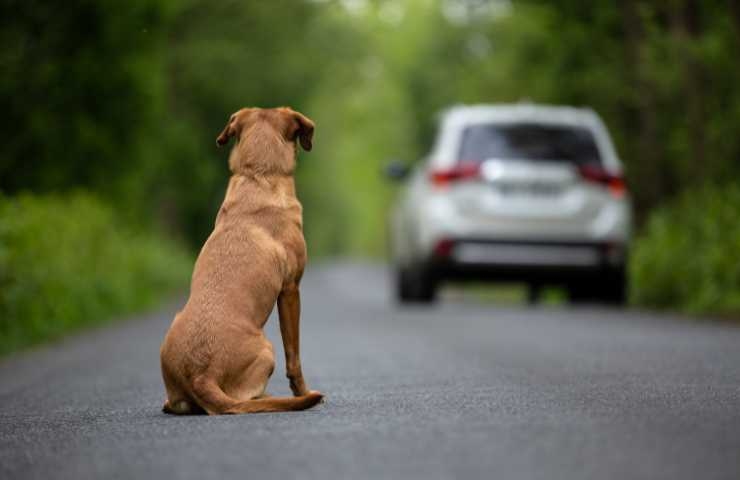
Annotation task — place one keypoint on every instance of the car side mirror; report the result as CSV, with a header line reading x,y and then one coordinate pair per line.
x,y
396,170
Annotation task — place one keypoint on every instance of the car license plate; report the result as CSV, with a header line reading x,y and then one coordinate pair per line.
x,y
534,189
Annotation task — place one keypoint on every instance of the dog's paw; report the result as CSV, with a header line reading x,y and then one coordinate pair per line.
x,y
316,393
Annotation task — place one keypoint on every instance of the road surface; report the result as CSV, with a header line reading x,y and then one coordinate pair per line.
x,y
463,390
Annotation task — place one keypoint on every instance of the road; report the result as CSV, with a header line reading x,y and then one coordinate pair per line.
x,y
462,390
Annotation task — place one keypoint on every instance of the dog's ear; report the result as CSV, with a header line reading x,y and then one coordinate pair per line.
x,y
303,130
229,131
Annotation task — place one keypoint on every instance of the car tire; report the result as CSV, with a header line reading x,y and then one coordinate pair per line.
x,y
415,284
614,289
609,288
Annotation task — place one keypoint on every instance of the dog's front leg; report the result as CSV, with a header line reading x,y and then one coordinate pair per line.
x,y
289,309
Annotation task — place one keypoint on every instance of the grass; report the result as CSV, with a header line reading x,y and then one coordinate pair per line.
x,y
688,256
67,262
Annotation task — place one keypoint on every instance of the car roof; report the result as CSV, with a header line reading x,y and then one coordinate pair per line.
x,y
519,112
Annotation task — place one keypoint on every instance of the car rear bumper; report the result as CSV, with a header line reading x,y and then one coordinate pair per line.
x,y
473,259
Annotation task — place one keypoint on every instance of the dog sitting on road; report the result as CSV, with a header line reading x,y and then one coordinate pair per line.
x,y
215,357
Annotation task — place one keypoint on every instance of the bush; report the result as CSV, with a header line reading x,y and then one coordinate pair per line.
x,y
688,257
67,262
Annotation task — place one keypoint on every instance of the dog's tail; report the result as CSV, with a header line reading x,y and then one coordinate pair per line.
x,y
215,401
277,404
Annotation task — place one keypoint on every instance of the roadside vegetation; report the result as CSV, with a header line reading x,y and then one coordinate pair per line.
x,y
688,254
66,261
123,101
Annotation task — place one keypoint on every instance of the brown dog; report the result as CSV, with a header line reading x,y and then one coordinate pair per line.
x,y
215,357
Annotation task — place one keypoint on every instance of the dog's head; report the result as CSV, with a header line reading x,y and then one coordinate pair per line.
x,y
292,125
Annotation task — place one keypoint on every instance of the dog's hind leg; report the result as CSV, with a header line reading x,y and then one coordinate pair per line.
x,y
178,402
253,381
182,407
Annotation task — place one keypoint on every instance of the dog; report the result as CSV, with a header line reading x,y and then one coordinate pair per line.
x,y
215,357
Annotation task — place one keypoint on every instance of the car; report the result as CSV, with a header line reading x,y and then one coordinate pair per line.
x,y
516,193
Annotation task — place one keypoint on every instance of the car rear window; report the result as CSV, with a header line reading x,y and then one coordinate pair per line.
x,y
527,141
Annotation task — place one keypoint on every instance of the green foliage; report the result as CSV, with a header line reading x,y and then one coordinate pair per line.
x,y
125,99
688,257
363,119
222,56
67,262
81,88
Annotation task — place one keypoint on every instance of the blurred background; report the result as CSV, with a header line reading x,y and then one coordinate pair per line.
x,y
110,178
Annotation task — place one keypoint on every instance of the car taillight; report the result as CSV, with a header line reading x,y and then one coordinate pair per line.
x,y
443,248
614,183
461,171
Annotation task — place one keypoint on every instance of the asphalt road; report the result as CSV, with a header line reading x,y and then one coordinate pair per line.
x,y
462,390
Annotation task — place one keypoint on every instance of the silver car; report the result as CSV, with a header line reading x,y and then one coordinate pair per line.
x,y
523,193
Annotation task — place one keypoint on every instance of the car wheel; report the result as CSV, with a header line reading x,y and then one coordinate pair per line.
x,y
610,288
614,289
415,284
